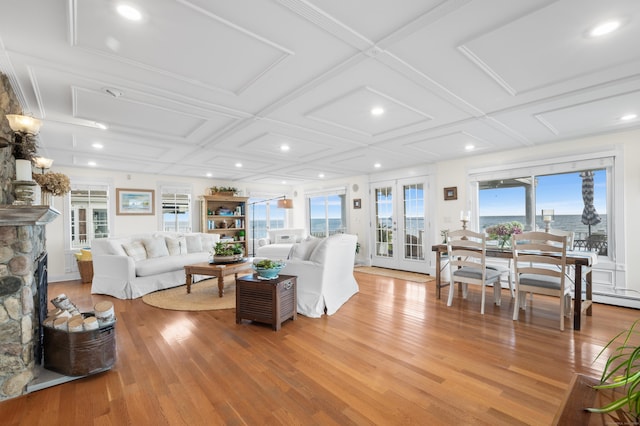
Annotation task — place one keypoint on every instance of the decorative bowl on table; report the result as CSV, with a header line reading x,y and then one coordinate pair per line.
x,y
267,269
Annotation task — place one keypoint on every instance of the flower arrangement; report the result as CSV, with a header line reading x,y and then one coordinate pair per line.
x,y
56,183
503,232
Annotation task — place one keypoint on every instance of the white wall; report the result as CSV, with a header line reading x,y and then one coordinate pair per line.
x,y
444,215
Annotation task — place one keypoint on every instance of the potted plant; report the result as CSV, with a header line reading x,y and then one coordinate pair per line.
x,y
622,372
225,252
223,191
241,235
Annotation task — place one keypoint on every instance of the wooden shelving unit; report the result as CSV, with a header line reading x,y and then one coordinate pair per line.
x,y
225,216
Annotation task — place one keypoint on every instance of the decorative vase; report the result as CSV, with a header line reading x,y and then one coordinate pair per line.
x,y
504,242
46,198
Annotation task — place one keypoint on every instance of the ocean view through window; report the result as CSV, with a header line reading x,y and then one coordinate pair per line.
x,y
578,198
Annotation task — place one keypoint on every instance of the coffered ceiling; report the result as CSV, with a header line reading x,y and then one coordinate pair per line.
x,y
198,87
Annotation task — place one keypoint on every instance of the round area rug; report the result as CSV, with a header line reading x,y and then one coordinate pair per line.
x,y
203,297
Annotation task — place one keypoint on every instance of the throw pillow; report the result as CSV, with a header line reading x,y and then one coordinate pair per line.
x,y
194,243
135,249
208,242
304,248
176,246
285,239
319,251
155,247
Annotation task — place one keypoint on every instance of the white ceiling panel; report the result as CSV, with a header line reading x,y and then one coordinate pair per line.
x,y
204,85
525,54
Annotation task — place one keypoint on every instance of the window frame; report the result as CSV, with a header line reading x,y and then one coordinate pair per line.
x,y
557,165
176,189
344,211
79,184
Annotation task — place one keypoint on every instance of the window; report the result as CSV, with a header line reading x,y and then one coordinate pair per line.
x,y
176,209
265,215
327,213
578,194
89,216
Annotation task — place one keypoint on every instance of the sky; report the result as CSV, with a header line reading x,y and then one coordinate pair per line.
x,y
561,192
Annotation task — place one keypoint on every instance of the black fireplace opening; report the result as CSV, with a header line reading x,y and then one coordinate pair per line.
x,y
40,301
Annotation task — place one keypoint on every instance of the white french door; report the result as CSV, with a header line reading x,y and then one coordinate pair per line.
x,y
398,224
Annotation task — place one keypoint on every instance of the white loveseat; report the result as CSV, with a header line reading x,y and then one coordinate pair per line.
x,y
324,267
278,243
130,267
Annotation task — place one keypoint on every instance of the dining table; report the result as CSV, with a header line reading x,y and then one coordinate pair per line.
x,y
581,261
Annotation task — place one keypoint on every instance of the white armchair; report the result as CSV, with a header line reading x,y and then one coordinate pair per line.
x,y
324,268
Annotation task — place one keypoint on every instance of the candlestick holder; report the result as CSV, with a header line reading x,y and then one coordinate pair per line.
x,y
464,227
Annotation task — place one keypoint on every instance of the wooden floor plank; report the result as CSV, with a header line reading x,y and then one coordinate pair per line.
x,y
393,354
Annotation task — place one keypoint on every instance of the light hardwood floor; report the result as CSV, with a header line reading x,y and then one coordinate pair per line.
x,y
393,354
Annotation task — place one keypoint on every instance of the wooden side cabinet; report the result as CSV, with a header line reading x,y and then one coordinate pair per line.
x,y
225,216
266,301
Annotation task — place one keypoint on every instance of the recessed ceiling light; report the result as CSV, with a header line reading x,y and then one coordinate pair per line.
x,y
628,117
377,165
238,165
284,148
92,163
320,175
209,174
97,145
469,147
604,28
376,111
129,12
284,182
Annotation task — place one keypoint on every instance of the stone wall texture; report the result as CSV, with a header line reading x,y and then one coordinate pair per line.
x,y
20,246
8,105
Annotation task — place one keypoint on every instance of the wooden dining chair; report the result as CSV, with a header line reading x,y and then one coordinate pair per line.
x,y
539,261
467,265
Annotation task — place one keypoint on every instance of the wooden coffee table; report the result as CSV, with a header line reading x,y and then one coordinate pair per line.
x,y
219,270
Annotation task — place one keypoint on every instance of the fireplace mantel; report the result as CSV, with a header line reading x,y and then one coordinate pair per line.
x,y
11,215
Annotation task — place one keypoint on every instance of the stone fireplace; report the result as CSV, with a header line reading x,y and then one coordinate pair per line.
x,y
22,254
22,247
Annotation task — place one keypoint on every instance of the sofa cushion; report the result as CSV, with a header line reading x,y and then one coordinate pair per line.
x,y
135,249
207,241
285,239
304,248
176,246
319,252
194,243
160,265
115,247
155,247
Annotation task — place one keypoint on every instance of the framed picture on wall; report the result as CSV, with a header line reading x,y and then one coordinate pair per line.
x,y
451,193
135,201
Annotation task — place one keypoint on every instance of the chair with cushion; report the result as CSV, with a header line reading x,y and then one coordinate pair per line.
x,y
540,261
467,264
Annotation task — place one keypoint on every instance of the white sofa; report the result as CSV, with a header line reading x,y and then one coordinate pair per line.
x,y
278,243
324,267
130,267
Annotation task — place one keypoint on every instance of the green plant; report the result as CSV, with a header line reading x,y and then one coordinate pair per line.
x,y
224,249
215,189
268,264
241,233
622,370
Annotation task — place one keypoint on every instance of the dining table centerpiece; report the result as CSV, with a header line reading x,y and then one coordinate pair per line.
x,y
502,232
